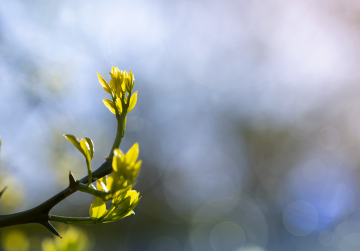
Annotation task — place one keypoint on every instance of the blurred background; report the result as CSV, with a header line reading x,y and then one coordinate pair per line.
x,y
248,120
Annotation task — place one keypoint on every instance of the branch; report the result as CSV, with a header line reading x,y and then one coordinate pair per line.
x,y
120,89
40,214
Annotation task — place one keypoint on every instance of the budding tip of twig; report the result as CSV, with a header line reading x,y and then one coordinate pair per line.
x,y
106,158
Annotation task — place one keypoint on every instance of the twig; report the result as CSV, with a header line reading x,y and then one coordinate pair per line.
x,y
40,214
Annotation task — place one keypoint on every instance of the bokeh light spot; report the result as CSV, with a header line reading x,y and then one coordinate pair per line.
x,y
215,209
227,235
300,218
345,233
199,237
351,242
336,199
15,240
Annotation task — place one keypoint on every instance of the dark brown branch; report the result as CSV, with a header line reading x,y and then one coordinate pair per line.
x,y
40,213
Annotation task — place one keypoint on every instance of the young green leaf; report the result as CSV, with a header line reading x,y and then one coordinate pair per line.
x,y
125,203
134,196
97,208
110,105
133,101
91,146
136,170
117,151
104,84
117,159
74,141
129,213
101,184
117,163
118,105
110,181
113,83
132,154
85,149
117,215
120,194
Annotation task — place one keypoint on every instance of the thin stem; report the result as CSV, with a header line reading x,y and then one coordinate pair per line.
x,y
121,119
119,133
89,190
72,220
117,140
88,164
